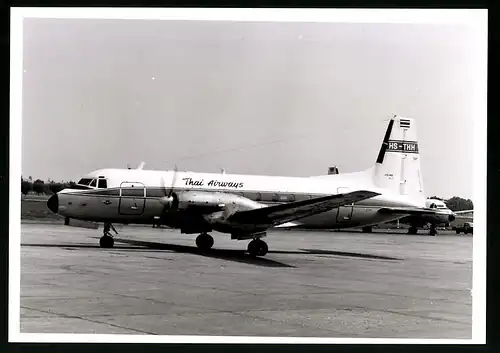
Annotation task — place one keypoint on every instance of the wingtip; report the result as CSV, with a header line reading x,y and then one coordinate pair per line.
x,y
370,194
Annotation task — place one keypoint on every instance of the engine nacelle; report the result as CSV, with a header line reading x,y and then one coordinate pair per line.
x,y
221,220
207,201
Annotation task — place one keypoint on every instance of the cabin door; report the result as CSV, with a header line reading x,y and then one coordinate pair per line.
x,y
132,198
344,213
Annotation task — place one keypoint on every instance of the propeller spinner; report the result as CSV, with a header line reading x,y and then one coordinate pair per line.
x,y
170,198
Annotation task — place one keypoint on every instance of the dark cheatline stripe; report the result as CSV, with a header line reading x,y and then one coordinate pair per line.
x,y
261,197
158,192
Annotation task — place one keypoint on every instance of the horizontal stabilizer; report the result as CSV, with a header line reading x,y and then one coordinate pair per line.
x,y
283,213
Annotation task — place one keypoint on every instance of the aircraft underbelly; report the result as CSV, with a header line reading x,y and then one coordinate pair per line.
x,y
345,217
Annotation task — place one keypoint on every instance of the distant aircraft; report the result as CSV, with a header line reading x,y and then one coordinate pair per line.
x,y
443,216
246,206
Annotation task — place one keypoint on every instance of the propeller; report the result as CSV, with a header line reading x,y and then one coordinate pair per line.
x,y
170,199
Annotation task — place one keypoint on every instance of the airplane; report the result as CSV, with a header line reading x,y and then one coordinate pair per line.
x,y
247,206
443,215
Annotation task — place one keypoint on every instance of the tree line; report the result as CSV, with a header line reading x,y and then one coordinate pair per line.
x,y
41,187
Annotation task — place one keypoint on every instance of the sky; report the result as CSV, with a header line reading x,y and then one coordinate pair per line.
x,y
254,98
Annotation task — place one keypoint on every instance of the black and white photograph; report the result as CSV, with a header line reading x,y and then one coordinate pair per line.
x,y
248,175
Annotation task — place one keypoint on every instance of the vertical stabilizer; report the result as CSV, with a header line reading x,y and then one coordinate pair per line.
x,y
398,162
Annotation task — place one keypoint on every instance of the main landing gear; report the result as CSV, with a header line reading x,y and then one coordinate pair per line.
x,y
412,230
257,247
107,240
432,230
204,241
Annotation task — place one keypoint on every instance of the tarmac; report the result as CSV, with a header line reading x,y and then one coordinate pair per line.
x,y
310,284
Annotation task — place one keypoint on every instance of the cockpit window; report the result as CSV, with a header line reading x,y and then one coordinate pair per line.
x,y
93,183
102,184
85,181
433,205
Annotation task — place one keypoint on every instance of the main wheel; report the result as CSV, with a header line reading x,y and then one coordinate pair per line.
x,y
204,241
257,247
412,230
433,231
106,241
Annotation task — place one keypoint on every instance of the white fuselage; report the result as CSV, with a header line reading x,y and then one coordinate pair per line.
x,y
133,196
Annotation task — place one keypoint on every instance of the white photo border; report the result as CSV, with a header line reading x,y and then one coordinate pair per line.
x,y
477,19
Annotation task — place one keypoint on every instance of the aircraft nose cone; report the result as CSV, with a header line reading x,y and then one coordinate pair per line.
x,y
53,203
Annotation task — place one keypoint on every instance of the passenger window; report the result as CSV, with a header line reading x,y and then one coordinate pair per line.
x,y
93,183
286,198
102,184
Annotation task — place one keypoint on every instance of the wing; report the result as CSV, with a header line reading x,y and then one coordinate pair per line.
x,y
462,212
407,211
275,215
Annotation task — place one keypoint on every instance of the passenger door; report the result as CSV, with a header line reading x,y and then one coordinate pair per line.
x,y
344,213
132,198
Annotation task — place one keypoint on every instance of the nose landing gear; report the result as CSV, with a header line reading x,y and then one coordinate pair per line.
x,y
107,240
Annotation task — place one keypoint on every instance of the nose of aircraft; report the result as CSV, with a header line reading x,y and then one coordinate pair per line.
x,y
53,203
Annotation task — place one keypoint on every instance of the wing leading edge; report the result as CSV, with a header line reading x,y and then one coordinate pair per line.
x,y
407,211
278,214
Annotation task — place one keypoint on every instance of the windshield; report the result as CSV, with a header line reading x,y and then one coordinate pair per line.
x,y
85,181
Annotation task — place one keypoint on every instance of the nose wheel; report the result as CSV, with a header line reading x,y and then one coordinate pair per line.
x,y
257,247
107,240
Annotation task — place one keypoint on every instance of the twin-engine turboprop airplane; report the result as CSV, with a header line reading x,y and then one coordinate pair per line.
x,y
246,206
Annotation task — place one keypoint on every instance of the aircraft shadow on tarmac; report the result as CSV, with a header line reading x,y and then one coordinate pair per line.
x,y
226,254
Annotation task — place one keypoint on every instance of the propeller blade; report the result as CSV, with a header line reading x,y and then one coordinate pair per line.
x,y
174,179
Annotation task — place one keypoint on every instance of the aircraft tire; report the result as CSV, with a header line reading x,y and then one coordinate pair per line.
x,y
257,247
412,230
106,242
204,241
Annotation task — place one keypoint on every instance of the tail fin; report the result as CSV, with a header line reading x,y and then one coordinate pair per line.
x,y
398,162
